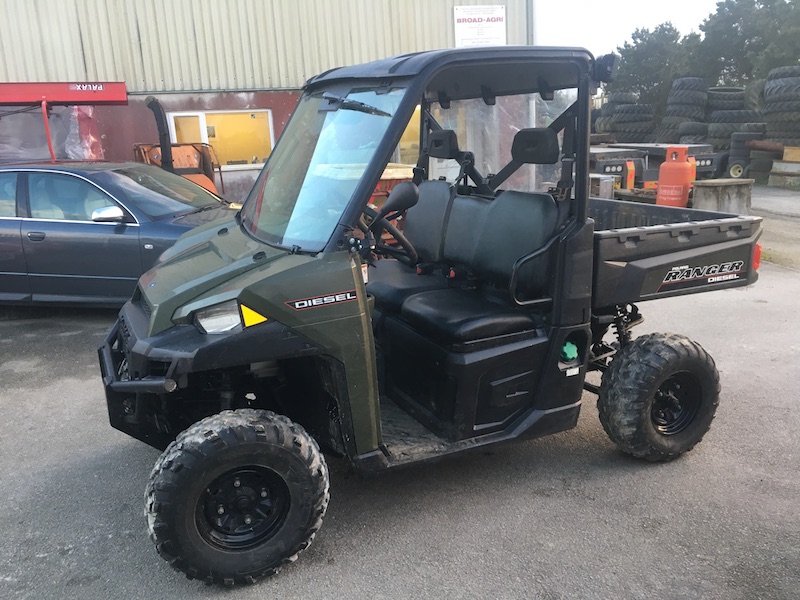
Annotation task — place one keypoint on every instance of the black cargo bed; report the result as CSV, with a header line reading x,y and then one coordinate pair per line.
x,y
645,251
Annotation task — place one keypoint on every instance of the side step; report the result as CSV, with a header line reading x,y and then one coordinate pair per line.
x,y
406,441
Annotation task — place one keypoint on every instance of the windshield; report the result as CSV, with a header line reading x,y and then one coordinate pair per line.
x,y
157,192
312,173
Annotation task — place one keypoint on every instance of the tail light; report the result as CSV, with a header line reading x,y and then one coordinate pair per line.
x,y
757,257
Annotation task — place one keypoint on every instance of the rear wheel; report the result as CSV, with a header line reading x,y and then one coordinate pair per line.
x,y
658,396
236,496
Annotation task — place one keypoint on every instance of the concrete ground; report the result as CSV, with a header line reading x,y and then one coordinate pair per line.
x,y
566,516
781,212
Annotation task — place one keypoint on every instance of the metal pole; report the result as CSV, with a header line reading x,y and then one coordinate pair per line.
x,y
47,131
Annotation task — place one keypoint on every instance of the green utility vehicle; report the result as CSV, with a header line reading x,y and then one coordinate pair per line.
x,y
466,310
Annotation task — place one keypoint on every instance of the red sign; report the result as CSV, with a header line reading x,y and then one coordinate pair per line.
x,y
66,92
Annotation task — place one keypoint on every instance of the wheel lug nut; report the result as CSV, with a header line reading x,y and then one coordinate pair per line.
x,y
236,483
263,493
220,510
247,520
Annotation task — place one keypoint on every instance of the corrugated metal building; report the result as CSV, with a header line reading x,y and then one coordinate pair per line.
x,y
219,67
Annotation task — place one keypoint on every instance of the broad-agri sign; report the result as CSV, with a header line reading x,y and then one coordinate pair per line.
x,y
479,26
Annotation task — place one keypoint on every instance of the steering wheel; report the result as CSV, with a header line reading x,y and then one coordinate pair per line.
x,y
405,254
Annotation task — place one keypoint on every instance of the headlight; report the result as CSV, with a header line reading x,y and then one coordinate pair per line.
x,y
220,318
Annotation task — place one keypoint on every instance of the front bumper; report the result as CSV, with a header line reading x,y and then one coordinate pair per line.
x,y
144,376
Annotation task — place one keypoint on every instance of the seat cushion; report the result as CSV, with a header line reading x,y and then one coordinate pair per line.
x,y
462,315
391,282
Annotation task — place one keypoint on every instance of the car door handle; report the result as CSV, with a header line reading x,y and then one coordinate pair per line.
x,y
36,236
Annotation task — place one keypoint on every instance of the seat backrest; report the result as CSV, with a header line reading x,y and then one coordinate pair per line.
x,y
425,222
489,236
517,224
43,208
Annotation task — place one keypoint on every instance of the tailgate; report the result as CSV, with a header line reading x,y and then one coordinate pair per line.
x,y
644,262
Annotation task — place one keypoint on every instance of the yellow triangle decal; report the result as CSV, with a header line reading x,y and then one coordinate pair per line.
x,y
251,317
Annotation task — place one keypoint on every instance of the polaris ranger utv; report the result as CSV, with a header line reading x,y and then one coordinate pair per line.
x,y
465,311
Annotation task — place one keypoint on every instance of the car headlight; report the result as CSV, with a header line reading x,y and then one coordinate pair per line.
x,y
219,318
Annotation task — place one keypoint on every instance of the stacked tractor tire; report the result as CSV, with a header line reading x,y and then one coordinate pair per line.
x,y
782,110
686,111
727,115
782,105
629,122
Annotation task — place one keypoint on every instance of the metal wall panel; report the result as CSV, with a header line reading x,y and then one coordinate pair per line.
x,y
177,45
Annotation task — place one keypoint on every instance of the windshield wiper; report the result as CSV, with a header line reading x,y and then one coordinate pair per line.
x,y
349,104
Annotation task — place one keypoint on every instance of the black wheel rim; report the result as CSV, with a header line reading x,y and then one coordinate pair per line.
x,y
242,508
676,403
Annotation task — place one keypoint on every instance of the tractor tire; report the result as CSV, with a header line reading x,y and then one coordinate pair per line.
x,y
693,128
689,97
658,396
687,111
635,109
690,83
784,72
736,116
633,117
623,98
782,90
780,107
782,117
236,496
692,139
639,127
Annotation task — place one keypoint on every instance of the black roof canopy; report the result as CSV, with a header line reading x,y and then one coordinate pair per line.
x,y
473,72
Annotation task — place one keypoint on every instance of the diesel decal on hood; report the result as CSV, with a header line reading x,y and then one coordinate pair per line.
x,y
326,300
689,276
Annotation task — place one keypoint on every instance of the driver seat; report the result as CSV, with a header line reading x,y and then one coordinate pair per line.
x,y
392,281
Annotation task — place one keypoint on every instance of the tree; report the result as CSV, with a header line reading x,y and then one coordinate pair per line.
x,y
745,39
650,62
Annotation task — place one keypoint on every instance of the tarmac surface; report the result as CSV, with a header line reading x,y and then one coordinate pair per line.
x,y
567,516
780,209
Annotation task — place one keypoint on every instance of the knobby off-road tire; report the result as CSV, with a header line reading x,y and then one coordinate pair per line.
x,y
236,496
658,397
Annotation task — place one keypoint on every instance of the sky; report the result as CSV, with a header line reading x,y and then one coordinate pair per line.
x,y
602,25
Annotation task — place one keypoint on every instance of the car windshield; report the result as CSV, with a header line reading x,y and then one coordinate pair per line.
x,y
158,193
322,156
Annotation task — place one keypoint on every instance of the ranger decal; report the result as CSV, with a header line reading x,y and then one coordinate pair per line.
x,y
684,274
326,300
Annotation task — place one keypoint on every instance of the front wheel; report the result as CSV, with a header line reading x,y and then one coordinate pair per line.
x,y
236,496
658,396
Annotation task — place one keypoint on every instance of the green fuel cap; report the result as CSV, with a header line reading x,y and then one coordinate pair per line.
x,y
569,352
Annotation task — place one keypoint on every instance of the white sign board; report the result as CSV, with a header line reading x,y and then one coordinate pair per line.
x,y
480,25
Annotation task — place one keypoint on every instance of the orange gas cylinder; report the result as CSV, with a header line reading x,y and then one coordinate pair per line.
x,y
674,178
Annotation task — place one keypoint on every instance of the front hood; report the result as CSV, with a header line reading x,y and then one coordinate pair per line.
x,y
200,260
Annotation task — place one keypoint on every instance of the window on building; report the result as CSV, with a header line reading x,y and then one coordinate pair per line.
x,y
240,138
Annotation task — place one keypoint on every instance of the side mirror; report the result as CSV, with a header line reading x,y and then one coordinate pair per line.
x,y
402,197
605,68
108,214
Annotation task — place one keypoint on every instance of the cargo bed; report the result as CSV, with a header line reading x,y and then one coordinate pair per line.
x,y
645,251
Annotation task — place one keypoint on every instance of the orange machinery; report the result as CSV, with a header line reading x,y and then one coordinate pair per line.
x,y
196,161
